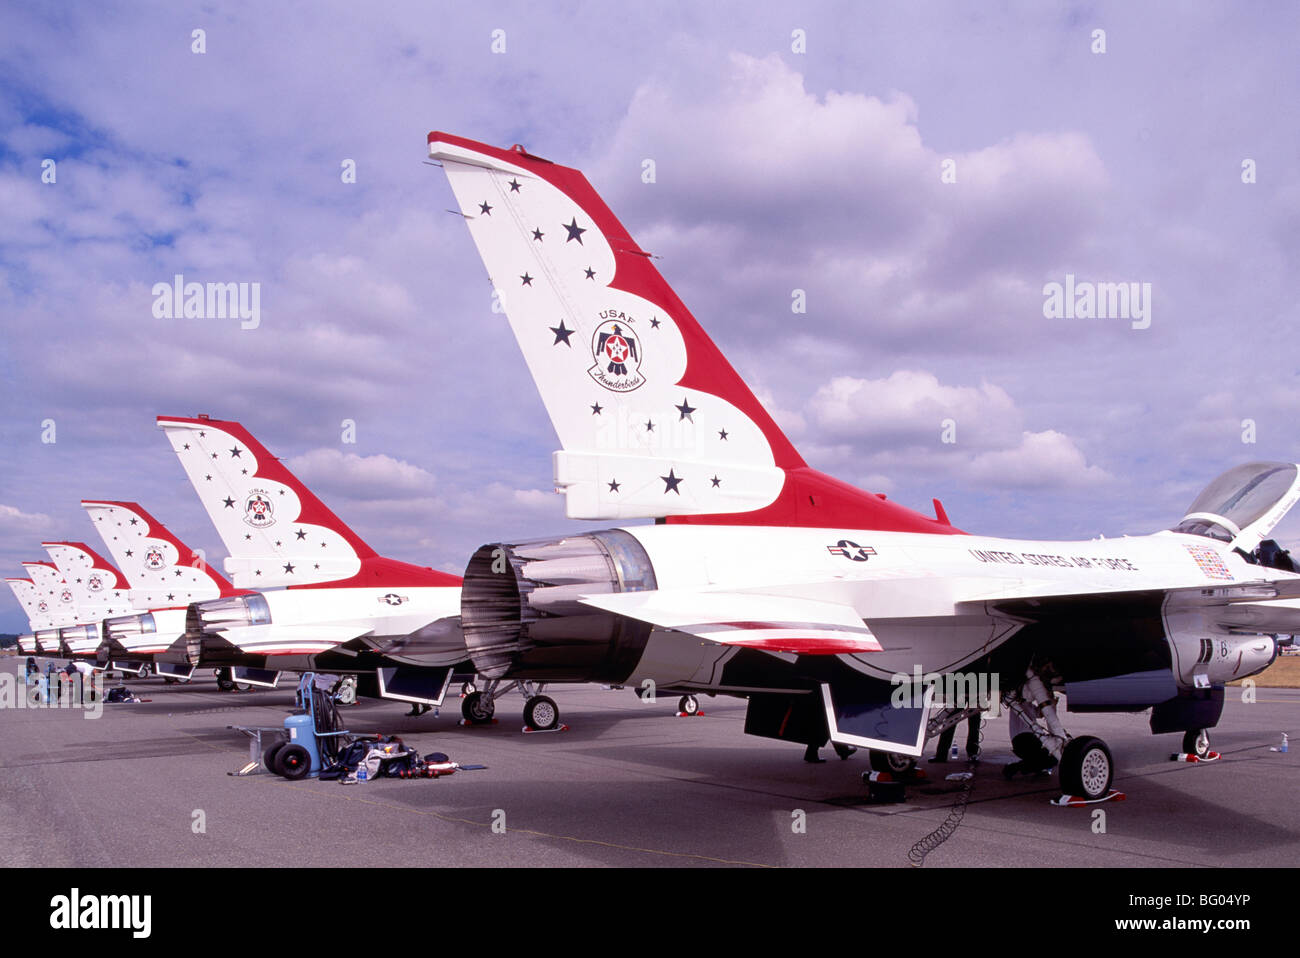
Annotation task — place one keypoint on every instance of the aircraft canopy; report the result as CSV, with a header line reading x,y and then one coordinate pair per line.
x,y
1238,499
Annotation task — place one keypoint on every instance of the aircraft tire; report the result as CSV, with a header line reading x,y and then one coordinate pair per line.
x,y
890,762
477,708
1197,742
688,704
541,713
1086,767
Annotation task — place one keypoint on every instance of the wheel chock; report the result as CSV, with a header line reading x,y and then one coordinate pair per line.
x,y
1195,759
883,788
1074,801
529,730
690,715
468,724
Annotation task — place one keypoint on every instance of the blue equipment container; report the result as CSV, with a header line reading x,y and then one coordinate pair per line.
x,y
302,731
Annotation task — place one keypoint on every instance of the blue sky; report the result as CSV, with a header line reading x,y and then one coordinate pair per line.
x,y
775,170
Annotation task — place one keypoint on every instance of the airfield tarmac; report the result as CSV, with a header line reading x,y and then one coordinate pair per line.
x,y
629,784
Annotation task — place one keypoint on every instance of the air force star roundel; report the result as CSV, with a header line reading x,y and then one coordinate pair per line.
x,y
618,356
258,511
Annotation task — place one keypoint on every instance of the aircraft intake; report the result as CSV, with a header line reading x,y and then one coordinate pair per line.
x,y
522,618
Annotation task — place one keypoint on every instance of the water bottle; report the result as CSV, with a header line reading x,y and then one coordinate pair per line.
x,y
361,773
952,754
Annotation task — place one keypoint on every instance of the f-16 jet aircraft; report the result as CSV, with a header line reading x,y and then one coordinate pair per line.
x,y
99,592
764,578
164,576
318,597
39,612
56,602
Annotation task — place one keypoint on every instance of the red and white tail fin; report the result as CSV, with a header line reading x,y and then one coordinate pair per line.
x,y
57,597
277,531
652,418
34,607
98,588
161,570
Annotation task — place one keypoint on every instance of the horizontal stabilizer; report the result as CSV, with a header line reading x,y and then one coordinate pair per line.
x,y
292,639
768,622
618,486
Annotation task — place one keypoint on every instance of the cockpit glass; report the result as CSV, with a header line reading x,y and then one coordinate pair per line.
x,y
1241,496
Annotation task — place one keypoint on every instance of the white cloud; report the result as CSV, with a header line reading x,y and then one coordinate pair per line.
x,y
911,407
366,477
14,521
1043,459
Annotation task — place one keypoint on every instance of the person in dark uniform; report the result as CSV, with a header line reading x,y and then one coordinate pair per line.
x,y
972,740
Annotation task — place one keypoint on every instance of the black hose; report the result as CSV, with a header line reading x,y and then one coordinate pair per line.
x,y
916,854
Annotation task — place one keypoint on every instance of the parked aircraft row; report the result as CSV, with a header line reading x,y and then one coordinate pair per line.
x,y
760,577
305,591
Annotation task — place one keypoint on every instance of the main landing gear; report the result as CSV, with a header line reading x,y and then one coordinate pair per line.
x,y
1086,765
900,766
541,714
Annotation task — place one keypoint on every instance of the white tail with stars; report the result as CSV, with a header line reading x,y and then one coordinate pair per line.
x,y
277,531
98,589
36,609
652,419
161,570
52,590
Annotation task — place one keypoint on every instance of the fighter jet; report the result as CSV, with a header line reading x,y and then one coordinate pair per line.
x,y
38,612
99,591
55,601
835,611
164,576
312,593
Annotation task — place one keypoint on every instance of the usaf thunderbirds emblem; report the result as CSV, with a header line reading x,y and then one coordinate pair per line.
x,y
43,606
95,583
258,511
618,357
153,559
66,595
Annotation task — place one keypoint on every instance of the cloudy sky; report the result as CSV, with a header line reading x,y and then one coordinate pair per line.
x,y
919,170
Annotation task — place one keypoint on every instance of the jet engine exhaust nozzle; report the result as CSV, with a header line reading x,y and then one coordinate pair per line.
x,y
522,617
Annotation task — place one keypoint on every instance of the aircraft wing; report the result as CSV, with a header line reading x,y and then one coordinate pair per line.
x,y
1256,591
292,639
770,622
